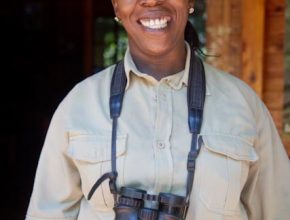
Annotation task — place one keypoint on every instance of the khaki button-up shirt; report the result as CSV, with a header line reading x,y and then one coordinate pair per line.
x,y
242,171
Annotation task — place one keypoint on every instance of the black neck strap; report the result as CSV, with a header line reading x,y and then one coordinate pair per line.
x,y
195,98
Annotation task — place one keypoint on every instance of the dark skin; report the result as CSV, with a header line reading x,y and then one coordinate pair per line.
x,y
158,52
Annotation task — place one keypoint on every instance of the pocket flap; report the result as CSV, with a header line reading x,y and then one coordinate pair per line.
x,y
94,148
231,146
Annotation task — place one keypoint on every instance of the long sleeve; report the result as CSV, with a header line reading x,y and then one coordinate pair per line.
x,y
266,195
56,193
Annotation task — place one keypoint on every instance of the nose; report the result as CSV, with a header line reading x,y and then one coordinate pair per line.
x,y
150,3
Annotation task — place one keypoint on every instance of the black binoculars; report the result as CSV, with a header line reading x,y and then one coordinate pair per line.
x,y
131,205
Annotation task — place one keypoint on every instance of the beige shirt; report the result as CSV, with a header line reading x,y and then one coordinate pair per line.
x,y
242,173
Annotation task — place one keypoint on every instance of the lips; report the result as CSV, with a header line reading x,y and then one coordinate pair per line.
x,y
155,23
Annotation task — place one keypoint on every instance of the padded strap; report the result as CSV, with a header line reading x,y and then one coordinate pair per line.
x,y
118,85
195,98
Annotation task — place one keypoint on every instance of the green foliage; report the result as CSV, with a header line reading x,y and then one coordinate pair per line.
x,y
115,47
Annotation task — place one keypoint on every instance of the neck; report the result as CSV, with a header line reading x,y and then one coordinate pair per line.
x,y
161,65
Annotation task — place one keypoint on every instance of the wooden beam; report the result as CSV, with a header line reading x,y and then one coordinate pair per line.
x,y
253,29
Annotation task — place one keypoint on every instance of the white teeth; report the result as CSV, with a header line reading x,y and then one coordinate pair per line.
x,y
155,23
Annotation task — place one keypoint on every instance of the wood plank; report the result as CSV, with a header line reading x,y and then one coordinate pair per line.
x,y
274,100
274,62
253,20
223,33
274,84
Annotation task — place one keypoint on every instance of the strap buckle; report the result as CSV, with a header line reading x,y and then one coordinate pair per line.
x,y
112,183
191,159
112,176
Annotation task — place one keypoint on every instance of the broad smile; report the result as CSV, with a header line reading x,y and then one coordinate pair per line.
x,y
155,23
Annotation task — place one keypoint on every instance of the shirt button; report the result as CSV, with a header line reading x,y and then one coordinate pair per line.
x,y
160,145
163,96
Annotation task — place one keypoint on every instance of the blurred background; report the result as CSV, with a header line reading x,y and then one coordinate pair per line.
x,y
48,46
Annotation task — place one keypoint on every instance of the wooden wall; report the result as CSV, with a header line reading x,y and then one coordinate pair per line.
x,y
249,36
275,63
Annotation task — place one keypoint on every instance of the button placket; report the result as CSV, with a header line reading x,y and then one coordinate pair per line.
x,y
163,129
155,97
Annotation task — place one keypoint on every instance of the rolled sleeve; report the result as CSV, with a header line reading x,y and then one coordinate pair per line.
x,y
56,192
267,192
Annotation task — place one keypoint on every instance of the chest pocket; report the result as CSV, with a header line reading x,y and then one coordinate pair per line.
x,y
222,170
92,156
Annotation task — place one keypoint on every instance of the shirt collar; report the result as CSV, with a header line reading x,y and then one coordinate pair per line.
x,y
176,81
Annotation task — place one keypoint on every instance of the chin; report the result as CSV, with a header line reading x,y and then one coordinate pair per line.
x,y
157,49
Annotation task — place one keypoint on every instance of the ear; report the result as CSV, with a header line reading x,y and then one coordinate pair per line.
x,y
115,6
191,3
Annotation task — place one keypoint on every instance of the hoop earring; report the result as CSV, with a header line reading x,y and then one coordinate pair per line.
x,y
117,19
191,10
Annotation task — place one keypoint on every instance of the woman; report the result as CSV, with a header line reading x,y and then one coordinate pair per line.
x,y
242,171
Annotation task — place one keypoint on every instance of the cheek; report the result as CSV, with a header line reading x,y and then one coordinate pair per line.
x,y
182,10
125,7
182,19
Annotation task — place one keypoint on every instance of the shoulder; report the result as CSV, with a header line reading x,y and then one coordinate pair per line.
x,y
228,86
228,90
234,95
99,79
92,89
220,81
98,83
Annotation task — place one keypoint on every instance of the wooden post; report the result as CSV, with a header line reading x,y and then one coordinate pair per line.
x,y
253,29
274,63
88,36
250,37
223,34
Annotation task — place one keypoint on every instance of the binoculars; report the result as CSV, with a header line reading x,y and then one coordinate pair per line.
x,y
131,205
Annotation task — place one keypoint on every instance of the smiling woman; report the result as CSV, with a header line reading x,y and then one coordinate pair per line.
x,y
110,38
142,21
161,135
